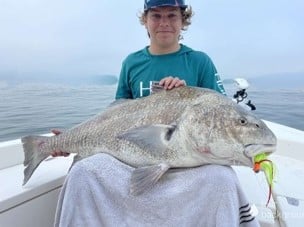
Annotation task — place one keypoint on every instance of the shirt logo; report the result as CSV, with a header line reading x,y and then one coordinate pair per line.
x,y
220,83
142,89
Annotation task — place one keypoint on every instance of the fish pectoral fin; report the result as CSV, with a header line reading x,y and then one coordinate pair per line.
x,y
144,178
150,137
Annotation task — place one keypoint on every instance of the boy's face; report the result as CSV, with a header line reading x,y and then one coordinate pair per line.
x,y
164,25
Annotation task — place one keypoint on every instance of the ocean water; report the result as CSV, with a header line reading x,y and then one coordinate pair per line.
x,y
36,108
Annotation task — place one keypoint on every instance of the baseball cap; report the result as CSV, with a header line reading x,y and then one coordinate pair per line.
x,y
150,4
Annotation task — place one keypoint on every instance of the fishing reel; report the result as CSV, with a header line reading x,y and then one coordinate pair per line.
x,y
241,95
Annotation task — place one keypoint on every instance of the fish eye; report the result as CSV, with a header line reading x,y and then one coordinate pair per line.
x,y
243,121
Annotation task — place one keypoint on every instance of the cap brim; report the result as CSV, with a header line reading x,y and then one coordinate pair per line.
x,y
163,5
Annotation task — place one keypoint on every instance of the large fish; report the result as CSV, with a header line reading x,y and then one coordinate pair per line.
x,y
183,127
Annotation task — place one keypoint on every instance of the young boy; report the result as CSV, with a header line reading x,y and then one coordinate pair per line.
x,y
95,192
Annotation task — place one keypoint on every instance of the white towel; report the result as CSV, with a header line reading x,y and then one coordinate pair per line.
x,y
96,193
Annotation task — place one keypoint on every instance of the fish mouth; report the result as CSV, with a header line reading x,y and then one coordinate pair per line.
x,y
251,150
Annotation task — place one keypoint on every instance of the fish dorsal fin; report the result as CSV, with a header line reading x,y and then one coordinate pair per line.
x,y
151,137
118,102
144,178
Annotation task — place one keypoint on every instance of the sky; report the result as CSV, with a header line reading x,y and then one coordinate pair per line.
x,y
92,37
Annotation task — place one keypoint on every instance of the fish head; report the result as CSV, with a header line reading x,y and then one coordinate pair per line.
x,y
220,131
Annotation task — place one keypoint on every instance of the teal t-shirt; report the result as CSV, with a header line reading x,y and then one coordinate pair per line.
x,y
141,68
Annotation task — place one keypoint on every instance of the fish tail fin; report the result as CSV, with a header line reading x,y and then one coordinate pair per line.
x,y
33,155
